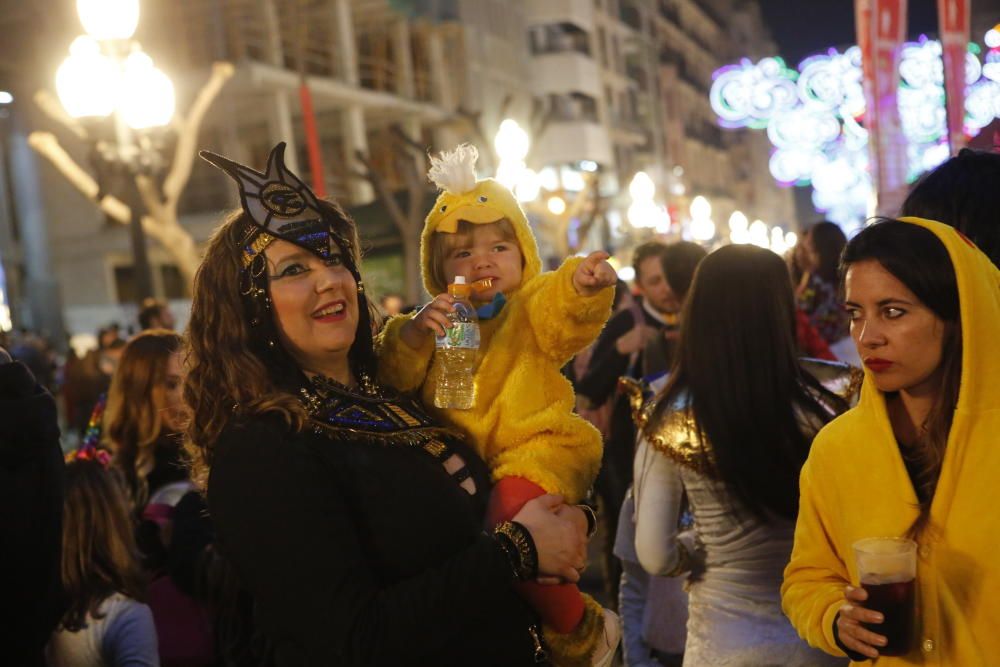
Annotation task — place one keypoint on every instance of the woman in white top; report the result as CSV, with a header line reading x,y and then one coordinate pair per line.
x,y
728,435
105,625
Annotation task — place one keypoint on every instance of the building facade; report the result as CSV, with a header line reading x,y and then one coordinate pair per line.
x,y
609,86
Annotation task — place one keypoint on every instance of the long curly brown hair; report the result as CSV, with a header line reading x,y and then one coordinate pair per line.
x,y
132,419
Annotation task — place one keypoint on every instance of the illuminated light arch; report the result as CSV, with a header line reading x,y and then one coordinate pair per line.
x,y
814,116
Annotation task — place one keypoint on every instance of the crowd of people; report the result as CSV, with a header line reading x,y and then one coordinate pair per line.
x,y
276,486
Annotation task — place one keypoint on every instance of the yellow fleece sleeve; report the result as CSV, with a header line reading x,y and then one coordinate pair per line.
x,y
815,577
563,460
564,321
399,365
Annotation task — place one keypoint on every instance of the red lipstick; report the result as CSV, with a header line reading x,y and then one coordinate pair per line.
x,y
877,365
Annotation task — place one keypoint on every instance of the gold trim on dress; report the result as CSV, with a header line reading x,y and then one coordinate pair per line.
x,y
407,418
677,436
632,389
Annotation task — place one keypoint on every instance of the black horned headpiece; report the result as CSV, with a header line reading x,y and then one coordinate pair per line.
x,y
279,205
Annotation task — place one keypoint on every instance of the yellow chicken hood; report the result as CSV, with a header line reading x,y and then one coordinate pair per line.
x,y
477,201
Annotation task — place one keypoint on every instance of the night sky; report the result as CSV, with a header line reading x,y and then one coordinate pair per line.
x,y
804,27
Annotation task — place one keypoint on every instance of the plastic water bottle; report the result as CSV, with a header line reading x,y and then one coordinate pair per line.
x,y
455,353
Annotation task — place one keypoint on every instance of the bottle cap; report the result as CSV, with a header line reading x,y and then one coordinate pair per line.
x,y
459,289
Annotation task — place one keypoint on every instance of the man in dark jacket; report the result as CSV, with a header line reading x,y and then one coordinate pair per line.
x,y
31,499
637,349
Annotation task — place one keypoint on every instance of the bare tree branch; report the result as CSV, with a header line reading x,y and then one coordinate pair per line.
x,y
171,235
474,120
150,195
161,222
382,189
47,102
508,99
400,135
415,186
48,146
187,134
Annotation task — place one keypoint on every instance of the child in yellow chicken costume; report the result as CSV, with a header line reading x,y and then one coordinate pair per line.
x,y
531,324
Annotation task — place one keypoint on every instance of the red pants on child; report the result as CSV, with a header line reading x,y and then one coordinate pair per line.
x,y
559,605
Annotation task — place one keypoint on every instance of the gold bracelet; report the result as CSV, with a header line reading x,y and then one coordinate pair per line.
x,y
521,550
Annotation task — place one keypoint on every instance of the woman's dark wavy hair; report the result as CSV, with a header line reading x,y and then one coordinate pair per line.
x,y
918,259
736,363
828,240
238,369
963,193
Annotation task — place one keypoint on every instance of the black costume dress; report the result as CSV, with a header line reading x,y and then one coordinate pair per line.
x,y
31,504
358,547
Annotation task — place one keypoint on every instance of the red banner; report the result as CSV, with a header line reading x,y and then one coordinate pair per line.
x,y
312,140
881,29
953,22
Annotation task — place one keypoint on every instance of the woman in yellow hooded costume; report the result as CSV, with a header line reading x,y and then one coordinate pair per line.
x,y
918,457
531,324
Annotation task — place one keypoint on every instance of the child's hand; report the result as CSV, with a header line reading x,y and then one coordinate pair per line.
x,y
594,274
431,319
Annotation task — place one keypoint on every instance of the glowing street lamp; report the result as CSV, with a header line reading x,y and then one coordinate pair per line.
x,y
738,228
511,142
641,187
759,234
702,226
778,241
87,81
149,101
644,212
107,74
528,187
109,19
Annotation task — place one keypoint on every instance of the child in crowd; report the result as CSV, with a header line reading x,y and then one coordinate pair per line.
x,y
531,324
105,623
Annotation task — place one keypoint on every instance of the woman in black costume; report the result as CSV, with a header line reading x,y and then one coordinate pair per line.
x,y
353,520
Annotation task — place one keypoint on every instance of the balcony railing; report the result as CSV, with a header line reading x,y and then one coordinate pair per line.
x,y
572,108
629,15
561,38
669,11
191,35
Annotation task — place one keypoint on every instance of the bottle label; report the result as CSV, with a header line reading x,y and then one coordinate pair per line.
x,y
460,335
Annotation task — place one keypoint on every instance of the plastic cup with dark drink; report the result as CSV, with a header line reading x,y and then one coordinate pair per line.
x,y
887,567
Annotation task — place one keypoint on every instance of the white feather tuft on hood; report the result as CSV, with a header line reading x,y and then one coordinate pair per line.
x,y
455,171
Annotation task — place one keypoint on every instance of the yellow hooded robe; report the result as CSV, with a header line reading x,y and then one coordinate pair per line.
x,y
855,485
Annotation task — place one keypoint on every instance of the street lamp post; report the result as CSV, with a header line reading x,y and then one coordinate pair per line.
x,y
106,74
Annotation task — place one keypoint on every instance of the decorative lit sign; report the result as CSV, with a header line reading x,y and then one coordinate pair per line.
x,y
814,116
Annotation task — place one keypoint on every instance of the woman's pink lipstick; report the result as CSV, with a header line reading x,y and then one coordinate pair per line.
x,y
877,365
331,317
